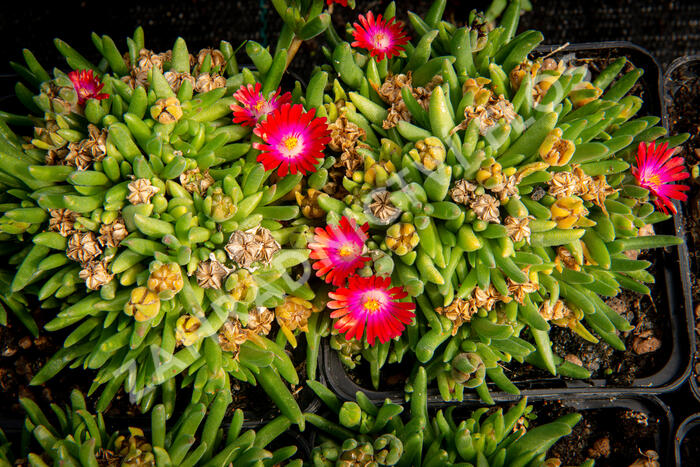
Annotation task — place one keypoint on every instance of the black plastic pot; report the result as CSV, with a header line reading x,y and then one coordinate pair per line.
x,y
670,87
684,458
549,408
650,406
672,276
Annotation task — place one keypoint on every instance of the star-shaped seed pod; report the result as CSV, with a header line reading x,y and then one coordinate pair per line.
x,y
113,233
382,208
95,274
486,208
82,247
210,274
62,221
141,191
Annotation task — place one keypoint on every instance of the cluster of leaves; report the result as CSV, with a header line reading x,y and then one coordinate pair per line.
x,y
501,192
138,211
360,432
196,438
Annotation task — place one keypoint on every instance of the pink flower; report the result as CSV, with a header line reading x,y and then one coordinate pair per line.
x,y
382,38
254,106
656,171
293,140
368,306
338,250
87,85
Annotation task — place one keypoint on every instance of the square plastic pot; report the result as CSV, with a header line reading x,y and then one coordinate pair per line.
x,y
672,277
669,88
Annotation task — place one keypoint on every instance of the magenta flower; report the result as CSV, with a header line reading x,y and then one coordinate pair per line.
x,y
368,306
87,85
253,106
656,171
338,250
293,140
382,38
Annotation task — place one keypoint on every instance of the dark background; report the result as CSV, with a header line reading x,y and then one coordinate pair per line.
x,y
667,28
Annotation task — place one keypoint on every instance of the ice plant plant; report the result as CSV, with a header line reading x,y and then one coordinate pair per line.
x,y
93,443
253,106
362,432
657,170
383,39
339,250
495,187
174,231
369,306
87,85
294,140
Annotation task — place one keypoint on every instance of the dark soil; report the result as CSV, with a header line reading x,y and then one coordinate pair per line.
x,y
683,94
615,437
21,357
690,448
646,314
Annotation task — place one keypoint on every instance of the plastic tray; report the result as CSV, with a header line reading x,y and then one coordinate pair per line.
x,y
689,424
672,274
668,89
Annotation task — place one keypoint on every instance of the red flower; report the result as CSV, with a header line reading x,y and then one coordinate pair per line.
x,y
338,250
293,140
382,38
339,2
87,85
656,171
254,106
368,306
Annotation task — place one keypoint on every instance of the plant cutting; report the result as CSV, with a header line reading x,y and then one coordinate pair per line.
x,y
82,438
378,435
499,193
150,205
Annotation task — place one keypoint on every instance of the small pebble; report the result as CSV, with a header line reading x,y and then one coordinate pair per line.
x,y
25,342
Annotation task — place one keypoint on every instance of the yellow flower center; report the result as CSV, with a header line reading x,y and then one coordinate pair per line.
x,y
259,105
654,180
380,40
290,142
346,250
371,305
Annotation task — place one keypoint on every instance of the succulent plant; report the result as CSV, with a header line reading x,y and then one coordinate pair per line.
x,y
500,191
365,434
196,438
156,226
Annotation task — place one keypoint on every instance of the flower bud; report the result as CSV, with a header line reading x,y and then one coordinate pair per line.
x,y
468,369
402,238
430,152
166,110
566,212
165,280
186,328
143,305
556,151
222,206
